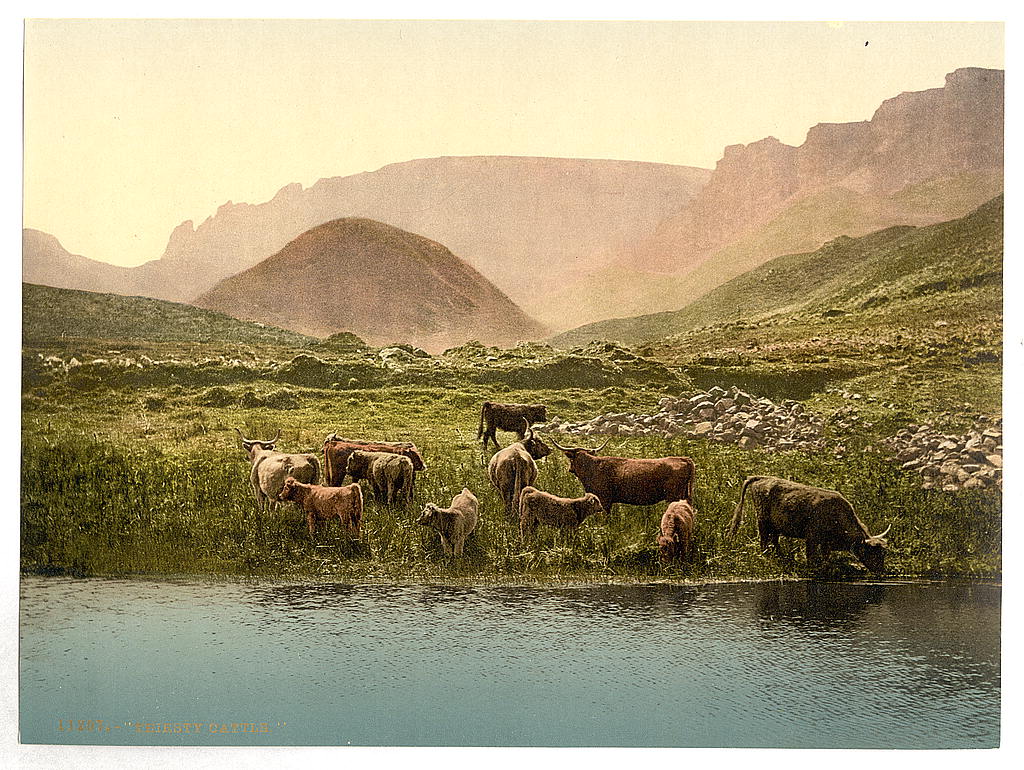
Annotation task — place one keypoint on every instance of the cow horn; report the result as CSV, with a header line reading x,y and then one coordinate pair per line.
x,y
559,446
883,534
595,451
274,439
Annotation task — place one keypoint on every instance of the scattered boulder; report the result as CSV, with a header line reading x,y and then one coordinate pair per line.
x,y
726,416
950,462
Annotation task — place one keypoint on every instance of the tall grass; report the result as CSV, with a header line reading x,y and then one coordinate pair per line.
x,y
95,507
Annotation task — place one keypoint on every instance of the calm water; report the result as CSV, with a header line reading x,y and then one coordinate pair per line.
x,y
788,665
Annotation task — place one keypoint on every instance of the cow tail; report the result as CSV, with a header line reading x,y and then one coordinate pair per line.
x,y
480,427
516,492
737,517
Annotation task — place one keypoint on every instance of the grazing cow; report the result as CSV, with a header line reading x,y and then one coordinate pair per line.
x,y
324,503
824,519
391,476
676,539
536,507
454,523
270,468
514,467
515,418
337,451
629,480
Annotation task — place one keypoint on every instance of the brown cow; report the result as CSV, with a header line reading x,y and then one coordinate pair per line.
x,y
513,468
324,503
676,539
515,418
337,451
454,523
536,507
630,480
824,519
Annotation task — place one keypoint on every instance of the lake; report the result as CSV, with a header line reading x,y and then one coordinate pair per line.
x,y
796,664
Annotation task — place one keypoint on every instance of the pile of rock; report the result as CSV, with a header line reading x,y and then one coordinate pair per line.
x,y
949,462
729,416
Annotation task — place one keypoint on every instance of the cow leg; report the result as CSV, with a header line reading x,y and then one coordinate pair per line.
x,y
311,523
768,537
814,552
446,547
458,542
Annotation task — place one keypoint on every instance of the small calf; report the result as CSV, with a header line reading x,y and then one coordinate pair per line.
x,y
454,523
536,507
324,503
676,538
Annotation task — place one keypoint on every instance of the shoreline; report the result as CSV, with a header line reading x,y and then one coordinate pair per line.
x,y
518,583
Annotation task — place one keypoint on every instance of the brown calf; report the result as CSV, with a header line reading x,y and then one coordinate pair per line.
x,y
676,538
324,503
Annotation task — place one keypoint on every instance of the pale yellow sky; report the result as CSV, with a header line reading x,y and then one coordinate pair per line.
x,y
132,127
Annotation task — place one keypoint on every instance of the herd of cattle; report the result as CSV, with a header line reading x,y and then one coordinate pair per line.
x,y
824,519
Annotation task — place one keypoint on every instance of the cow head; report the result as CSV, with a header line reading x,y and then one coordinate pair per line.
x,y
288,490
428,516
579,456
667,547
537,413
590,505
256,444
358,465
871,551
534,445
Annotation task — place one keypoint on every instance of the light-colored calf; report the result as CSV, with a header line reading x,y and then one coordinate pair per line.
x,y
454,523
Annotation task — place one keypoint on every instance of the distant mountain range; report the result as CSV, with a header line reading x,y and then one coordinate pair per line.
x,y
528,224
377,281
572,241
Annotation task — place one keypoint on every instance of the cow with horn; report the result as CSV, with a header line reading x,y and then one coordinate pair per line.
x,y
514,467
822,518
269,469
633,481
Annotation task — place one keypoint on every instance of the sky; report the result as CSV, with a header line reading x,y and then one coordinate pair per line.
x,y
134,126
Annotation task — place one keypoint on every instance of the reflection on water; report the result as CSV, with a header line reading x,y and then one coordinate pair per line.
x,y
759,664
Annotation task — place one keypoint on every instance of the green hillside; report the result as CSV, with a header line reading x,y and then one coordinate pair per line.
x,y
803,227
885,269
50,315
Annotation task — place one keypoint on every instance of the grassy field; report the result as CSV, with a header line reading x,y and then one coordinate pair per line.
x,y
118,481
